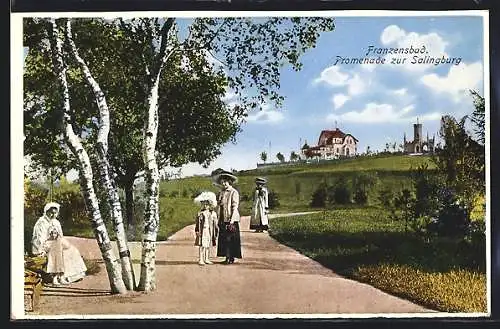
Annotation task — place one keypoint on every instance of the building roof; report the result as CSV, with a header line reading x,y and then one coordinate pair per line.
x,y
330,134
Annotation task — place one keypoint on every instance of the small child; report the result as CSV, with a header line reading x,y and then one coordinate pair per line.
x,y
206,228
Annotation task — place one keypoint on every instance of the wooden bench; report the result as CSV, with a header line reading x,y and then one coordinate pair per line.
x,y
33,282
32,290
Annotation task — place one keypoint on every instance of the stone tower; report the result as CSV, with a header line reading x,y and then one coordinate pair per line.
x,y
417,132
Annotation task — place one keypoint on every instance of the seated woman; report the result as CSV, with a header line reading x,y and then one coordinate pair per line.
x,y
64,261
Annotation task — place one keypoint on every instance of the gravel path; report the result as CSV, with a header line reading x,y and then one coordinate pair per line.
x,y
270,279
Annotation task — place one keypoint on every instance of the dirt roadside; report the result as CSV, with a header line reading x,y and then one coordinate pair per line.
x,y
270,279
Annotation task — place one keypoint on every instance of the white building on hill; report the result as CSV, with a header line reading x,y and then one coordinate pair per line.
x,y
332,144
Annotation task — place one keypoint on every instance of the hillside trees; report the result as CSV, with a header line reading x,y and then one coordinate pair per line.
x,y
129,60
445,198
263,156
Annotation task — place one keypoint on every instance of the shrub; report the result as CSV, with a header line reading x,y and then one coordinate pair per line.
x,y
360,197
386,197
319,196
341,192
174,194
362,183
427,186
73,211
298,189
452,221
273,199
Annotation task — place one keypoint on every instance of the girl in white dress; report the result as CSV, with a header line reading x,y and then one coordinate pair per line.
x,y
64,261
206,226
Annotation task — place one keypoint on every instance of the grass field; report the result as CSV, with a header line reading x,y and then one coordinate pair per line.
x,y
295,184
360,243
364,244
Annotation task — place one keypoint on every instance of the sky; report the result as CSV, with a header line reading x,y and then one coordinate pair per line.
x,y
376,103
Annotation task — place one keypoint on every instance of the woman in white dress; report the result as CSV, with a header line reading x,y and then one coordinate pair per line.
x,y
206,226
259,220
64,261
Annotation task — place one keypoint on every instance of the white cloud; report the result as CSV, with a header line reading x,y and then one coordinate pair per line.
x,y
356,85
391,34
382,113
432,44
339,100
368,67
333,77
266,116
457,82
401,91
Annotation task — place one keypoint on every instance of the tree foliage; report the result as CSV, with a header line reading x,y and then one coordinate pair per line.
x,y
263,156
219,55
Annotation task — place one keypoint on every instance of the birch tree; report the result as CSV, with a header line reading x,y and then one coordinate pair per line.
x,y
250,54
107,182
85,169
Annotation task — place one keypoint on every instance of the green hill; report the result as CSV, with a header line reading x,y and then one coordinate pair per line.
x,y
295,183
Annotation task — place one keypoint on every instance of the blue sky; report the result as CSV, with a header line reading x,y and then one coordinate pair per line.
x,y
375,103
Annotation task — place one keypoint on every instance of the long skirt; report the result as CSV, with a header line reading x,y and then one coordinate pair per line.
x,y
229,243
65,260
259,221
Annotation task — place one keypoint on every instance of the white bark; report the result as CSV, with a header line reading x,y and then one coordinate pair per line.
x,y
103,165
86,178
151,215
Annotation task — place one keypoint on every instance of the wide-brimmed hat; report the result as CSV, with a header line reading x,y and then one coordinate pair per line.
x,y
216,178
206,196
260,180
51,205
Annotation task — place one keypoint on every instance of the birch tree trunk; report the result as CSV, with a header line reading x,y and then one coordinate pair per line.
x,y
109,185
86,178
151,215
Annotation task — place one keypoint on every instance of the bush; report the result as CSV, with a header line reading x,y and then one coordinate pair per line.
x,y
427,187
298,189
174,194
452,221
386,197
319,196
273,199
360,197
341,192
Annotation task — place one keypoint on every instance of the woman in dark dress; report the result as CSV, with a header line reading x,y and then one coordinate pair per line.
x,y
229,241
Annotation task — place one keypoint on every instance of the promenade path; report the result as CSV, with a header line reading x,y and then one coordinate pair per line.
x,y
270,279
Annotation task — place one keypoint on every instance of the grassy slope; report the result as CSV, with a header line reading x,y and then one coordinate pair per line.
x,y
295,183
364,244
